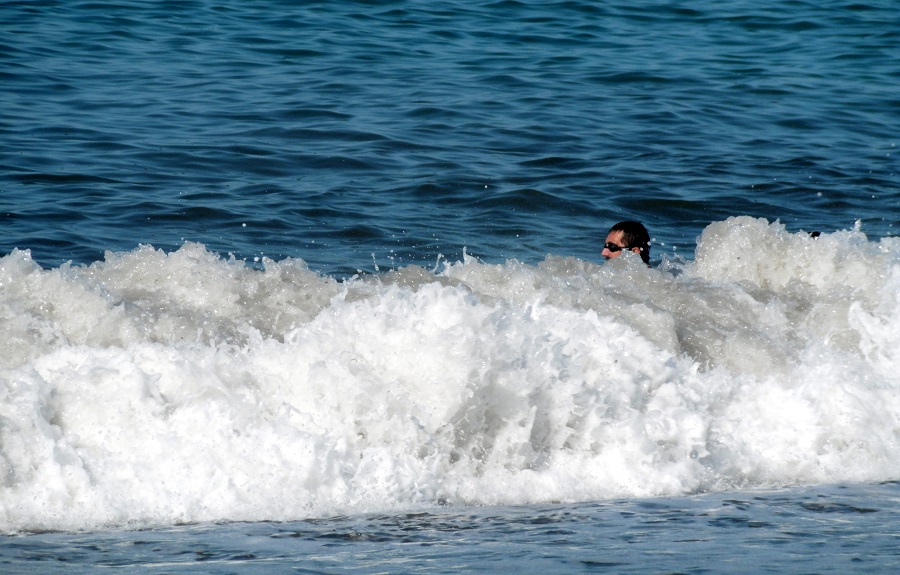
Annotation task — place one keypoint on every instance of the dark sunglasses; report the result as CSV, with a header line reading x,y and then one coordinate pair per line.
x,y
614,247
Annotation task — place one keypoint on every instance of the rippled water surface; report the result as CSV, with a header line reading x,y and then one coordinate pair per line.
x,y
849,529
343,132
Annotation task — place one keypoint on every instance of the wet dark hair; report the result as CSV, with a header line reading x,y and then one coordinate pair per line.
x,y
635,235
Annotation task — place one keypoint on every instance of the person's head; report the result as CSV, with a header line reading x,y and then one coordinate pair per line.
x,y
629,235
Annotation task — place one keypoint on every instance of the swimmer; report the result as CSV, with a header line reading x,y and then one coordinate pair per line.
x,y
631,236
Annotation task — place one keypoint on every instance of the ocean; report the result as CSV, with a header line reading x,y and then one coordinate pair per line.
x,y
317,287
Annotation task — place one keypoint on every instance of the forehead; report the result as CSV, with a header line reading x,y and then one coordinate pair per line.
x,y
615,237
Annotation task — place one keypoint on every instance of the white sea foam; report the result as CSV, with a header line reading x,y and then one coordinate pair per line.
x,y
160,387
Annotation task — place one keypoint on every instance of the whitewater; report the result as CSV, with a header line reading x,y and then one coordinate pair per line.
x,y
158,388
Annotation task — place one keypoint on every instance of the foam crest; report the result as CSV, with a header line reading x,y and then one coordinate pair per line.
x,y
159,387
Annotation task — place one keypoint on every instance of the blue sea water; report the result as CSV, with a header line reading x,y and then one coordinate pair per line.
x,y
331,131
832,530
267,263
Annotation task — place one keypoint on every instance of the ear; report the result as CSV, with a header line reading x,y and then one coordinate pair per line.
x,y
636,250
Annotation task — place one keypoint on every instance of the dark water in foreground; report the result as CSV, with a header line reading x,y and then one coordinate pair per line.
x,y
846,529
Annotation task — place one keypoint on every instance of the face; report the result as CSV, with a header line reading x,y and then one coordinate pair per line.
x,y
615,238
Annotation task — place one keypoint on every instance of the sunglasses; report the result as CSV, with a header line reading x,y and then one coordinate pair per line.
x,y
613,247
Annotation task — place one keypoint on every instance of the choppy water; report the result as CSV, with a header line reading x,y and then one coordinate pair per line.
x,y
284,261
831,530
332,131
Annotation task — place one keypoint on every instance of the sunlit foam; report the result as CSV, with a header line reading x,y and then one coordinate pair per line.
x,y
157,387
